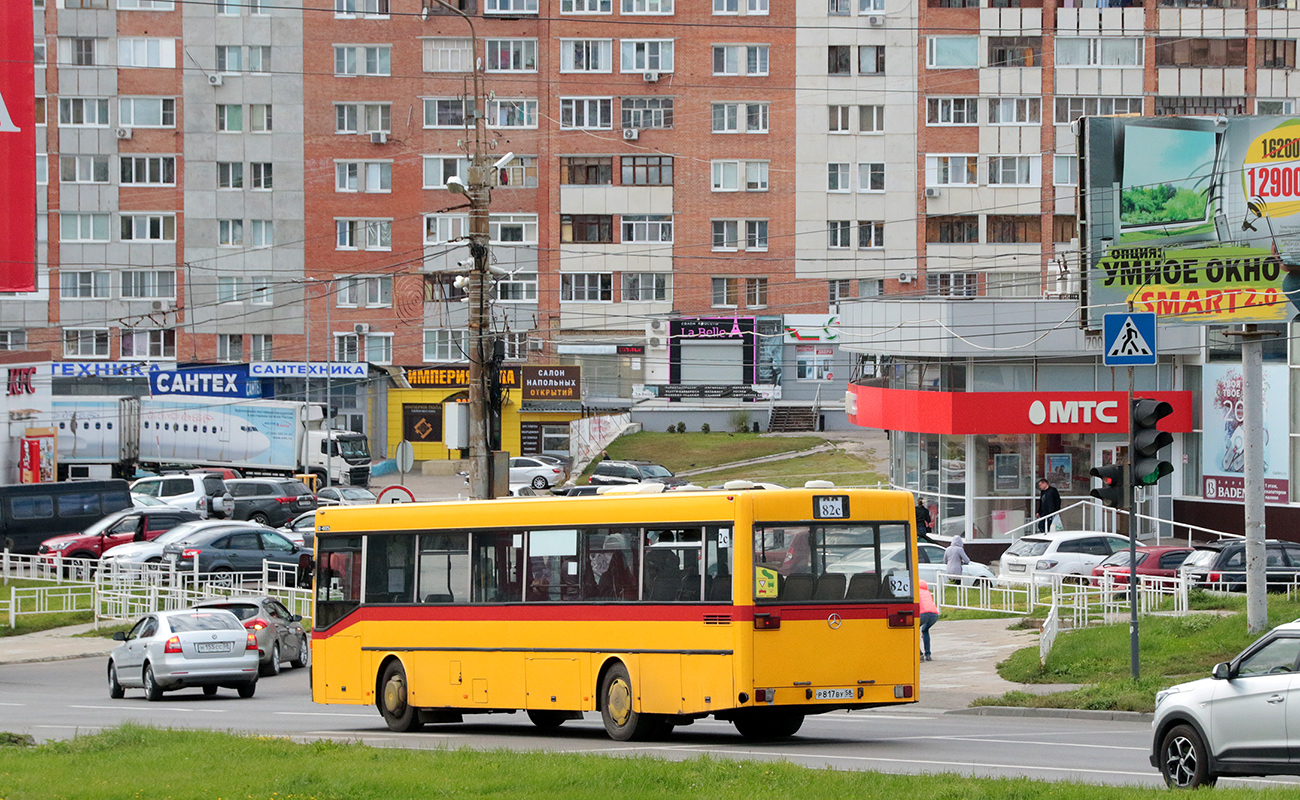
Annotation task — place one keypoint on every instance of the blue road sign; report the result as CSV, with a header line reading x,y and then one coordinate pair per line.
x,y
1129,339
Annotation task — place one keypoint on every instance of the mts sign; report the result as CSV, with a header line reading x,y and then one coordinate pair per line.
x,y
1073,412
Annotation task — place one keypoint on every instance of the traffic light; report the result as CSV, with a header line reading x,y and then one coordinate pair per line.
x,y
1111,493
1148,469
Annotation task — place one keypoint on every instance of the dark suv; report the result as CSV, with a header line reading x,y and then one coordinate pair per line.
x,y
614,473
270,501
1222,565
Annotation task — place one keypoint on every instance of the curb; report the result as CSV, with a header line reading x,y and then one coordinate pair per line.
x,y
1054,713
40,659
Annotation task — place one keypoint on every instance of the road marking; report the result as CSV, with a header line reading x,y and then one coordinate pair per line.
x,y
13,704
155,708
322,714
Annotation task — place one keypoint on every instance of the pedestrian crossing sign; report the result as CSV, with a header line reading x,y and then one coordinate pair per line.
x,y
1129,339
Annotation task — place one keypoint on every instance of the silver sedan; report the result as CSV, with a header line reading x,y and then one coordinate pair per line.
x,y
169,650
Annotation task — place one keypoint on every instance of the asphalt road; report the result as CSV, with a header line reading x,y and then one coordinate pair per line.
x,y
56,700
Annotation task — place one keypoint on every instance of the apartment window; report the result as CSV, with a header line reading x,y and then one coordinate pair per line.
x,y
83,169
870,234
444,112
512,113
42,169
230,118
646,55
260,118
1013,170
757,6
837,290
871,59
437,169
446,344
518,173
83,227
511,55
647,112
871,119
871,177
737,176
262,347
726,292
141,5
647,6
587,170
518,287
839,59
230,58
263,233
647,228
82,52
146,170
83,111
160,53
1068,109
740,117
510,7
952,111
755,292
379,348
586,113
38,53
85,342
1015,111
647,170
1274,107
952,52
838,233
13,340
1064,228
1108,51
839,119
230,175
261,173
726,234
1014,229
1275,53
585,6
443,228
40,111
951,170
512,228
366,117
837,177
362,8
956,284
447,54
363,234
587,287
1016,51
952,230
148,344
86,285
645,287
147,112
1201,52
1199,106
148,227
756,234
586,55
587,228
1065,170
839,8
347,348
363,176
259,58
740,59
371,291
230,347
352,60
230,233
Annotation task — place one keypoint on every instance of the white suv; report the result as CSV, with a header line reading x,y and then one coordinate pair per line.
x,y
202,493
1234,723
1040,556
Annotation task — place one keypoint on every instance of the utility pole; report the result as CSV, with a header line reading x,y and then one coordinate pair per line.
x,y
1252,397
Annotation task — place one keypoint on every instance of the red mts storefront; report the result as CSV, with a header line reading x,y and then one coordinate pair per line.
x,y
976,457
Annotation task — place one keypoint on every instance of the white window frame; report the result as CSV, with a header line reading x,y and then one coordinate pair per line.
x,y
151,227
641,115
155,343
876,126
839,234
379,348
444,228
230,118
261,176
230,289
362,9
230,176
648,7
262,347
932,52
950,109
645,55
839,119
1065,170
1015,111
587,51
1097,49
647,228
230,347
89,284
146,5
522,51
516,287
586,6
230,233
361,233
525,224
42,169
446,344
354,60
950,169
1094,106
88,342
875,234
867,174
84,168
71,108
741,117
514,112
725,235
88,227
370,177
447,54
127,108
837,177
647,287
230,59
261,233
263,59
741,59
576,113
729,175
1027,170
433,105
443,167
261,118
146,53
519,172
586,287
149,284
509,7
360,116
147,166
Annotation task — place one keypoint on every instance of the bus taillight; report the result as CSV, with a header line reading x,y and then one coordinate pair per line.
x,y
902,692
901,619
768,622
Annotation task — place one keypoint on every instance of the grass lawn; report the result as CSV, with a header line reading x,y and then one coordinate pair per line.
x,y
31,623
678,451
136,762
842,468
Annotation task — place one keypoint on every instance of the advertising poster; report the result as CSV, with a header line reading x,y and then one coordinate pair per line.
x,y
1057,470
18,143
255,433
422,422
1006,472
1223,451
1194,219
88,429
36,460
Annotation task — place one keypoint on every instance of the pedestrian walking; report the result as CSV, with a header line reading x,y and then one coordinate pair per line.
x,y
954,558
922,517
929,616
1049,502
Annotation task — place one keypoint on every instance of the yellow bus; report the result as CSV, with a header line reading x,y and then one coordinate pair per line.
x,y
754,606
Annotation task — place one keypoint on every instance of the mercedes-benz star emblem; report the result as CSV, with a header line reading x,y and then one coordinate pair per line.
x,y
834,621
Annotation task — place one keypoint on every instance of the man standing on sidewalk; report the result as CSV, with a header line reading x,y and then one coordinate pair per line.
x,y
954,557
1049,502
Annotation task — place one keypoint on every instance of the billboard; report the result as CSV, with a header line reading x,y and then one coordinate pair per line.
x,y
1195,219
1223,444
18,143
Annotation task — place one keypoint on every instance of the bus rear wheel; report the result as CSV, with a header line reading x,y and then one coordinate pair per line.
x,y
547,720
768,725
398,714
622,723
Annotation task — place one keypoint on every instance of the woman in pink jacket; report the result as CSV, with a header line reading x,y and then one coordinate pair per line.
x,y
929,616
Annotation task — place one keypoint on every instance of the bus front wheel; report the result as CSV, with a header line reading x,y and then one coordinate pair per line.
x,y
398,714
622,723
767,725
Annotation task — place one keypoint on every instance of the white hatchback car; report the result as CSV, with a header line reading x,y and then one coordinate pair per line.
x,y
1072,554
1235,722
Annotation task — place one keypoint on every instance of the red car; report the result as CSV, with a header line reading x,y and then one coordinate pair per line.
x,y
1156,560
131,525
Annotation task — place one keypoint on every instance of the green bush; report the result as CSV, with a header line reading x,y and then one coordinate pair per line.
x,y
704,428
739,421
681,427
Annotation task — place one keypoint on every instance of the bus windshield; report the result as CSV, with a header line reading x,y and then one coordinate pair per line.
x,y
856,562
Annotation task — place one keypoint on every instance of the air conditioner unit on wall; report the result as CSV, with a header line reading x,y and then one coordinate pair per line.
x,y
216,79
906,277
930,191
123,133
651,77
655,341
378,137
164,305
631,134
534,344
360,328
876,20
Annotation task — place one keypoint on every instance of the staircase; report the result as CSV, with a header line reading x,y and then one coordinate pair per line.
x,y
786,419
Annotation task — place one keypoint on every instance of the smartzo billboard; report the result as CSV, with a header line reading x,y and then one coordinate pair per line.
x,y
1195,219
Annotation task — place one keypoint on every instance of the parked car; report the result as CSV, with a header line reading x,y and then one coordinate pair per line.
x,y
610,472
145,501
270,501
203,493
233,548
1221,565
225,473
1160,561
1072,554
151,552
301,530
534,472
30,513
345,496
930,566
280,635
1234,722
169,650
120,527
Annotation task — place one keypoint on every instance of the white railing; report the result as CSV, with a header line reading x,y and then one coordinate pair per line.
x,y
1051,627
66,599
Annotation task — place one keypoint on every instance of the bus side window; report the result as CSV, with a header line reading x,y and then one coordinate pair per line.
x,y
338,580
390,569
498,565
444,568
552,565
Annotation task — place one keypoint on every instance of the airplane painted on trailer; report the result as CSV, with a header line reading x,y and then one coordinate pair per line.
x,y
92,434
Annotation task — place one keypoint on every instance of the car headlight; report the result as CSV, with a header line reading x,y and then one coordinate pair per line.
x,y
1164,694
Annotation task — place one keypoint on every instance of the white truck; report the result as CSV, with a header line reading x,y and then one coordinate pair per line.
x,y
112,436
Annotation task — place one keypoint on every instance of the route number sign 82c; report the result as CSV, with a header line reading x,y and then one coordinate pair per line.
x,y
830,506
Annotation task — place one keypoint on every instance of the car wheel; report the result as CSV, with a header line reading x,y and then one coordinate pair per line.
x,y
398,714
769,725
547,720
621,722
222,576
304,653
272,666
259,518
152,690
208,691
246,690
1184,759
154,560
540,482
115,689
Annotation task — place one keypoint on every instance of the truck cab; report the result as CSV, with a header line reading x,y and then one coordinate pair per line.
x,y
345,455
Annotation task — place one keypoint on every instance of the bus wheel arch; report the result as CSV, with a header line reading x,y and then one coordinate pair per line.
x,y
617,699
392,692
